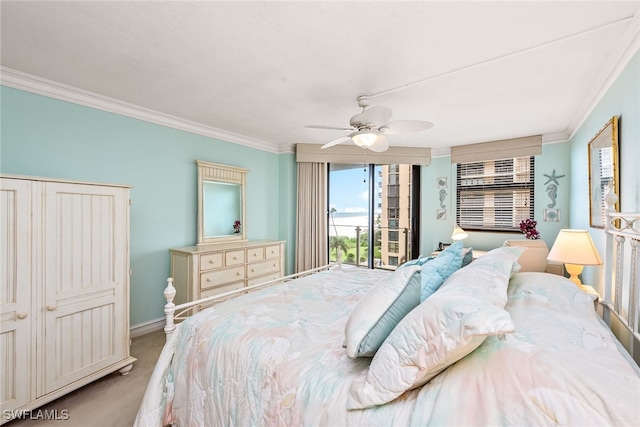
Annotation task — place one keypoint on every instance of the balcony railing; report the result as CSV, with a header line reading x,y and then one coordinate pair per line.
x,y
351,243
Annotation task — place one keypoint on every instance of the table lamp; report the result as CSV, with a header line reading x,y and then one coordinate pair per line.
x,y
575,249
458,233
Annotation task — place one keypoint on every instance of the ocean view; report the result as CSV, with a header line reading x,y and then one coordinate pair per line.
x,y
346,223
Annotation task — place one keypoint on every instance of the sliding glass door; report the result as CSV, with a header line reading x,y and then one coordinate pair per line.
x,y
372,214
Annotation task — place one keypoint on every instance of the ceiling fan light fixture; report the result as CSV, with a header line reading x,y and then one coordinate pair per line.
x,y
365,138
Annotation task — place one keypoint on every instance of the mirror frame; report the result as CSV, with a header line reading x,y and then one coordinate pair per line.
x,y
605,138
215,172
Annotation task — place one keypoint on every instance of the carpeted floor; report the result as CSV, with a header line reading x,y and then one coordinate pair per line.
x,y
112,401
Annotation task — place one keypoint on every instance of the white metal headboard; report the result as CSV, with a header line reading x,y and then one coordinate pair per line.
x,y
621,298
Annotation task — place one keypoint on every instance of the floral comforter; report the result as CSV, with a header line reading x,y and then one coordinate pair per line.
x,y
275,357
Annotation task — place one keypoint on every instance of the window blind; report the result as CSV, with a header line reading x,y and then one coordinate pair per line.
x,y
495,195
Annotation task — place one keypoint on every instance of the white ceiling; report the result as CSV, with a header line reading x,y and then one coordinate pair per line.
x,y
261,71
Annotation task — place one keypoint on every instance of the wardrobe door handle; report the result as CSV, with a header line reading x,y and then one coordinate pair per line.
x,y
51,307
22,315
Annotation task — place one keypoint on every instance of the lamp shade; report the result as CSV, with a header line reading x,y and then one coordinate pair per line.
x,y
574,247
458,233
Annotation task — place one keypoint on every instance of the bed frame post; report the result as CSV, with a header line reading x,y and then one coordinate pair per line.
x,y
610,251
169,307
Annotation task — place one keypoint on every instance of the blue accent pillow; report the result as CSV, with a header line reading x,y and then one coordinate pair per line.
x,y
379,311
436,271
467,256
418,261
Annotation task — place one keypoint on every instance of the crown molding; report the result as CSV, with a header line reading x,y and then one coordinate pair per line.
x,y
555,138
27,82
629,45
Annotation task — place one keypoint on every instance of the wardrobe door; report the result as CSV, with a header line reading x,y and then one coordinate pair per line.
x,y
16,311
86,281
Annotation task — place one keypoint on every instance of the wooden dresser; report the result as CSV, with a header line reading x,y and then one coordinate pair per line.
x,y
206,270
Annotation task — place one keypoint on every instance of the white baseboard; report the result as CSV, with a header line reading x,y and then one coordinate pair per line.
x,y
147,327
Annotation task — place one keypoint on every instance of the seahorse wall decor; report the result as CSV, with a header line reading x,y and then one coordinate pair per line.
x,y
552,188
443,196
552,191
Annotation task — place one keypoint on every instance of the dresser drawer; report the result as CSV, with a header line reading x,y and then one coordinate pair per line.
x,y
217,290
255,254
218,277
272,251
210,261
233,258
262,268
261,279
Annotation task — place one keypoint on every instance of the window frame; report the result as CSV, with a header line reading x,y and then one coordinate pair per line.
x,y
507,184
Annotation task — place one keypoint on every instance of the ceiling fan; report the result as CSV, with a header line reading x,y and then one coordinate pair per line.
x,y
368,128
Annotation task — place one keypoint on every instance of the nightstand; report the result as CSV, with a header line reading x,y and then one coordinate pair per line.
x,y
590,290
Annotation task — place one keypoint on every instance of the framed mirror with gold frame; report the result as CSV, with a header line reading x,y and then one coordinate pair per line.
x,y
603,171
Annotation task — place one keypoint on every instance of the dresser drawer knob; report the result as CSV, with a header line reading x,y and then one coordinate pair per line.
x,y
209,279
210,261
238,273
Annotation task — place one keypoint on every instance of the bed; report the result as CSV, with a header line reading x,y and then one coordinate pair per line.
x,y
483,345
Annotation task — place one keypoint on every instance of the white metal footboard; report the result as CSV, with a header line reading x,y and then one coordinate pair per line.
x,y
621,297
175,312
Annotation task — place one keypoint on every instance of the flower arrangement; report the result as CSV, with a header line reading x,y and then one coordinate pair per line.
x,y
528,227
237,225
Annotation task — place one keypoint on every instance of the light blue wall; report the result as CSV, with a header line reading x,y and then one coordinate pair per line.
x,y
554,157
622,100
50,138
45,137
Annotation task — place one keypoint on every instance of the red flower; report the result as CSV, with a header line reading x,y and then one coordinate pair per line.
x,y
528,227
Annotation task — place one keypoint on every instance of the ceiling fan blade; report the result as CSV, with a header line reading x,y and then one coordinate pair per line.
x,y
404,126
336,141
327,127
381,144
373,116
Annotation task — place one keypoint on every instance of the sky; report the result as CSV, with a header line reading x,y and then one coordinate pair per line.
x,y
348,194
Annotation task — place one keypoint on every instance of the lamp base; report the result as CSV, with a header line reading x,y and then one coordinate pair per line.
x,y
574,271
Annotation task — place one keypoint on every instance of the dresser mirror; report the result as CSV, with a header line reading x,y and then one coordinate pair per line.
x,y
221,203
603,171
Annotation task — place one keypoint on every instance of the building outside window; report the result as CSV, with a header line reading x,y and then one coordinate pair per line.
x,y
495,195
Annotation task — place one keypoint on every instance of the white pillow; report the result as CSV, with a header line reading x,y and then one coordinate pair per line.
x,y
447,326
380,310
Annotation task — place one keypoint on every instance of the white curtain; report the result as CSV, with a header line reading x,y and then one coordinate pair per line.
x,y
311,231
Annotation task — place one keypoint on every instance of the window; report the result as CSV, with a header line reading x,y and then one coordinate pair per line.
x,y
495,195
372,221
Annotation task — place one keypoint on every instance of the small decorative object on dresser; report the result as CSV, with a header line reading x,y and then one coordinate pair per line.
x,y
528,227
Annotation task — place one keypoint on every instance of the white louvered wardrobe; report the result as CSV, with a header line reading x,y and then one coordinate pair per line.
x,y
64,278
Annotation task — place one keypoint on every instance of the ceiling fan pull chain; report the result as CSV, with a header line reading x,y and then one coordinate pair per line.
x,y
365,166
